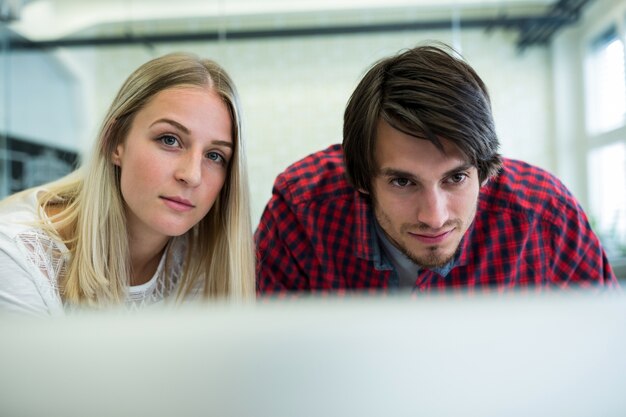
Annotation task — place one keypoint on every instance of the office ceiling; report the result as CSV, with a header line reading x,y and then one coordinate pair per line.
x,y
52,23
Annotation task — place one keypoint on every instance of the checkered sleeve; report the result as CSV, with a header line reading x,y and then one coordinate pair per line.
x,y
280,241
578,257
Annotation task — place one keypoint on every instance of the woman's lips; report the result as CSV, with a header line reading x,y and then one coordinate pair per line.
x,y
177,203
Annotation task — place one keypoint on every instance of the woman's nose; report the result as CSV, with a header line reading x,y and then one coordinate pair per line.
x,y
189,170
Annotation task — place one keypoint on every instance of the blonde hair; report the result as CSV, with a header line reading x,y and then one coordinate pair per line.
x,y
220,250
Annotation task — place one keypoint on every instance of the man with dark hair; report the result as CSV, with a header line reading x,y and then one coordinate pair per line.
x,y
418,197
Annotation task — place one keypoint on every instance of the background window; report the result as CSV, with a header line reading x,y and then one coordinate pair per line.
x,y
606,83
607,171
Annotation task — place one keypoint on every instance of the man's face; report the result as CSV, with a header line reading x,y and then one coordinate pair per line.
x,y
424,199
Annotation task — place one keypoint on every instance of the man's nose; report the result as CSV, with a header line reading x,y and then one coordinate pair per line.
x,y
433,208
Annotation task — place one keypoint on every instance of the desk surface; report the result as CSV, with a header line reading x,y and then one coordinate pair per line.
x,y
442,356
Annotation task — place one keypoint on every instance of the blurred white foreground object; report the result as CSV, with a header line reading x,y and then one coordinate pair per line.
x,y
452,356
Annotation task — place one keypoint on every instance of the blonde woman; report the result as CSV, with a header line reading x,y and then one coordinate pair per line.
x,y
161,211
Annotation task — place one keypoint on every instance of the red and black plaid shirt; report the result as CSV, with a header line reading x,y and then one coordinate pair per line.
x,y
317,234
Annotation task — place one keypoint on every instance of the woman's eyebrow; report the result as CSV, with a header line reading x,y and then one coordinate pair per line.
x,y
173,123
222,143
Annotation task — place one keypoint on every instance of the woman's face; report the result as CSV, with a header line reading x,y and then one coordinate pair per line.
x,y
174,161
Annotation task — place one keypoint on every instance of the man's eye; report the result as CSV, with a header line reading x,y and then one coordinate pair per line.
x,y
400,182
169,140
458,178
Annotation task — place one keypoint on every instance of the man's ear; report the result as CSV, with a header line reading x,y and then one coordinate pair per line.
x,y
117,155
362,191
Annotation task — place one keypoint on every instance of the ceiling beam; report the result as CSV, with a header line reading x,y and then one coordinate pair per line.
x,y
540,33
533,29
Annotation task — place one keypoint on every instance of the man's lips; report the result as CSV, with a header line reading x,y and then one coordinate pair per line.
x,y
431,239
177,203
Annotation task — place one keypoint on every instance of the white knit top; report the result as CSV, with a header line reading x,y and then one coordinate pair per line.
x,y
31,262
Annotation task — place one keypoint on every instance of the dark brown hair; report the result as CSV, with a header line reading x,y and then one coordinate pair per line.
x,y
427,92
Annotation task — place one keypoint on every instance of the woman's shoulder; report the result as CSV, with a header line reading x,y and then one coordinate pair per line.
x,y
33,258
20,232
20,212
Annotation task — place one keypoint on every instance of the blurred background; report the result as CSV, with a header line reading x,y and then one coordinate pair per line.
x,y
554,68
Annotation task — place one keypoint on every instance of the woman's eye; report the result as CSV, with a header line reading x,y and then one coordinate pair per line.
x,y
169,140
214,156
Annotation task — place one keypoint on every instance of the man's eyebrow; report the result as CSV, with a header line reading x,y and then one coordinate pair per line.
x,y
463,167
187,131
392,172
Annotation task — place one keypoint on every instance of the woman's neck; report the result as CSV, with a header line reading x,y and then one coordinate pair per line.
x,y
144,259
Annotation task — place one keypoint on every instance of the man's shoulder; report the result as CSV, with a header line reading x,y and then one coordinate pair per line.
x,y
525,187
318,176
